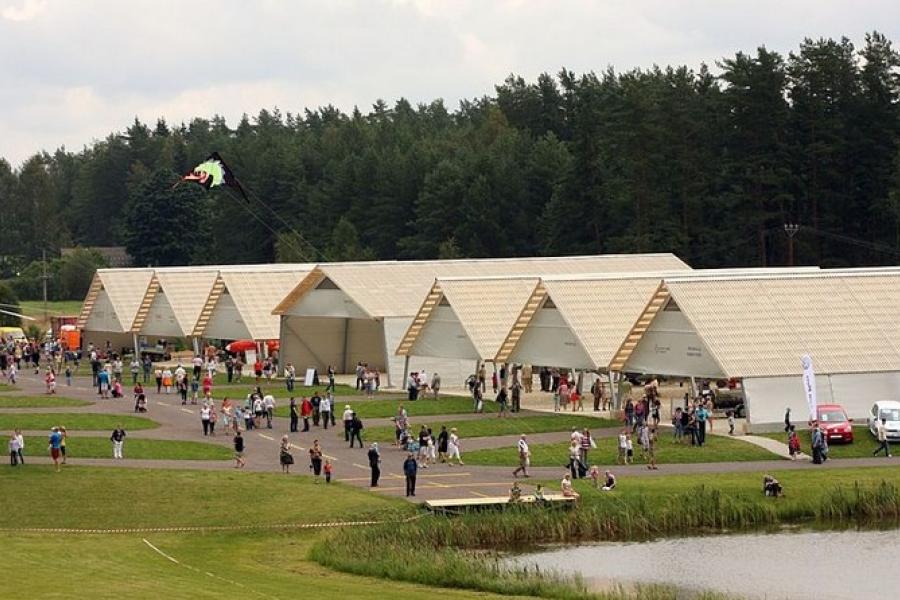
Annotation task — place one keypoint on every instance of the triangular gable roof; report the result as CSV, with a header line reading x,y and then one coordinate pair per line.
x,y
396,288
125,289
186,291
486,308
254,294
760,325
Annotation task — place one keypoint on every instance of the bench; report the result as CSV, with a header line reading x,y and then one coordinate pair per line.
x,y
502,502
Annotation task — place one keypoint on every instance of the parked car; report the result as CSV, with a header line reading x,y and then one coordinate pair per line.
x,y
833,418
889,410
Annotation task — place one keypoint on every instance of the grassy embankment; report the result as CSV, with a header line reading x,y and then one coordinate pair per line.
x,y
73,421
101,447
459,551
494,427
40,401
716,449
863,445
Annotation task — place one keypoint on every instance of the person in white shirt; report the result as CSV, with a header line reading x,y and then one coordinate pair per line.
x,y
347,418
197,363
325,410
21,440
621,458
524,457
566,485
576,436
269,405
453,448
180,373
257,410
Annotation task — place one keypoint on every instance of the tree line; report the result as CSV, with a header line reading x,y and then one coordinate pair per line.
x,y
708,165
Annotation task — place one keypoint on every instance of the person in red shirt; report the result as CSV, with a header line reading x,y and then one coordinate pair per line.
x,y
257,370
207,386
306,409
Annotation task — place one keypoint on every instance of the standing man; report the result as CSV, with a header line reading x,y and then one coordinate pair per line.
x,y
238,450
443,440
435,385
290,375
55,446
269,406
360,371
148,366
882,440
325,410
295,415
135,369
347,418
410,468
375,463
118,440
524,457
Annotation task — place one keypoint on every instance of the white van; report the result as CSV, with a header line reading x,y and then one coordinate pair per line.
x,y
890,411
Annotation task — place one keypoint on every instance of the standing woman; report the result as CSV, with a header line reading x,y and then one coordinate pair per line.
x,y
306,409
454,447
226,414
213,417
285,457
295,415
315,460
158,376
204,418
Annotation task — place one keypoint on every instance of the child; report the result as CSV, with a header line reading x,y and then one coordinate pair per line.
x,y
793,442
327,468
555,401
629,450
730,422
68,376
621,458
595,475
610,484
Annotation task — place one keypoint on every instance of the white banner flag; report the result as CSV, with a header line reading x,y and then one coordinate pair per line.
x,y
809,384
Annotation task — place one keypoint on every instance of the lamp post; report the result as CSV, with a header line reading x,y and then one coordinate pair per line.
x,y
791,229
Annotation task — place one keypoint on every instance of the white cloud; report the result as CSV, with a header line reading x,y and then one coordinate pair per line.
x,y
74,71
26,11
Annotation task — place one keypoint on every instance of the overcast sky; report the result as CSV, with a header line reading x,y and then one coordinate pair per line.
x,y
73,71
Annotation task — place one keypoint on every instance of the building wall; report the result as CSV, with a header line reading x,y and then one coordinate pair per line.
x,y
767,397
671,346
161,320
226,322
453,371
548,341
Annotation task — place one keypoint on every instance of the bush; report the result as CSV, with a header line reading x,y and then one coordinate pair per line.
x,y
9,302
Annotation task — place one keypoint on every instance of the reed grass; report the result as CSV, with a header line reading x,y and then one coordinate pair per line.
x,y
466,551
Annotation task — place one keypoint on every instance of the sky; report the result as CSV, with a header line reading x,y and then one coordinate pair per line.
x,y
73,71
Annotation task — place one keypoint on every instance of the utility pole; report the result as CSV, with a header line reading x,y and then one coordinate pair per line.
x,y
44,278
791,229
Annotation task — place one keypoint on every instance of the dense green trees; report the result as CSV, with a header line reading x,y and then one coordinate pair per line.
x,y
710,166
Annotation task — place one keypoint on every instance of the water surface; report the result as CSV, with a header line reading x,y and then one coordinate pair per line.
x,y
846,565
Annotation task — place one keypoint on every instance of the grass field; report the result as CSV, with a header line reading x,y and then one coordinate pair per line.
x,y
73,421
716,449
5,387
39,401
863,445
101,447
35,308
492,426
381,409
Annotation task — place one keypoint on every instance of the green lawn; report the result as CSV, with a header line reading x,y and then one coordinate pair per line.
x,y
101,447
266,565
381,409
35,308
39,401
492,426
5,387
863,444
162,498
74,421
716,449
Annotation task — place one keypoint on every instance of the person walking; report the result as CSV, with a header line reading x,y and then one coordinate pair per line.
x,y
285,457
882,439
454,448
204,418
295,415
13,450
347,418
587,442
269,407
524,457
374,463
213,418
118,441
290,376
436,385
443,440
239,450
21,449
410,468
55,444
356,427
818,444
315,460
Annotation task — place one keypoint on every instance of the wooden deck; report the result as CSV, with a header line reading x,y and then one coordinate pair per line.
x,y
457,505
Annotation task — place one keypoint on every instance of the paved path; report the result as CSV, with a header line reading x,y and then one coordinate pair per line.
x,y
439,481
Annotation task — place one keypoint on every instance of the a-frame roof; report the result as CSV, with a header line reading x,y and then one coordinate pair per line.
x,y
125,289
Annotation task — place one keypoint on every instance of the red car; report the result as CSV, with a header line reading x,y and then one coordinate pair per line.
x,y
833,418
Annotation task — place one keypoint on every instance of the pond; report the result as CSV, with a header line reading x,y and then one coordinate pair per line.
x,y
804,564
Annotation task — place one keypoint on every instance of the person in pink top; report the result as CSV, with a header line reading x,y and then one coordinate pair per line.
x,y
207,386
